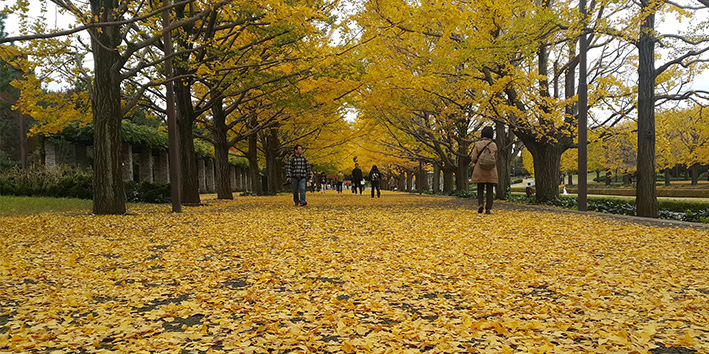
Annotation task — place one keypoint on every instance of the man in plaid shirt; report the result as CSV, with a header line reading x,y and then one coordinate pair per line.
x,y
298,172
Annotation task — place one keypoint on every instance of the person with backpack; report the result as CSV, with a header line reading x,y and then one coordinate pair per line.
x,y
484,156
374,177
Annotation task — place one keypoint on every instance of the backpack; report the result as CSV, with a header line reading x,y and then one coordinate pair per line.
x,y
486,161
374,176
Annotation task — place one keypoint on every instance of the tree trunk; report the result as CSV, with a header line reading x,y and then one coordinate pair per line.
x,y
272,148
462,176
646,193
252,156
667,177
188,159
436,178
571,178
447,179
608,178
108,191
421,178
547,159
695,174
503,139
401,180
409,180
221,152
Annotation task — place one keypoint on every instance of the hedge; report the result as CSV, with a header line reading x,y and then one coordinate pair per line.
x,y
685,210
69,182
630,192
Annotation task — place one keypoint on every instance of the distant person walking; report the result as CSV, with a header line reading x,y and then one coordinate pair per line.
x,y
357,179
298,172
392,183
323,182
340,179
375,177
484,156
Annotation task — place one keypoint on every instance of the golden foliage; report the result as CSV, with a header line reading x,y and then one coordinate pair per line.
x,y
349,274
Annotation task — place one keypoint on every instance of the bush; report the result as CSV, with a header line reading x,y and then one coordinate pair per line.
x,y
463,194
146,192
65,182
68,182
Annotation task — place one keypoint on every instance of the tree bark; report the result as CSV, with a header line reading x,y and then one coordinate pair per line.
x,y
421,178
272,148
646,193
252,156
188,160
547,159
108,190
462,177
409,180
221,152
608,178
503,139
189,177
667,177
695,174
436,178
448,179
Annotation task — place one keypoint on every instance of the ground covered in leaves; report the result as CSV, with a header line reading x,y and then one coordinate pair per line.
x,y
350,274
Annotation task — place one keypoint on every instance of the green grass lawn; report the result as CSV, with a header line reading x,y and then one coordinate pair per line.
x,y
11,205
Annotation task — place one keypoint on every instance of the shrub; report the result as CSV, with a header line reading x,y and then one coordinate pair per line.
x,y
62,182
146,192
68,182
463,194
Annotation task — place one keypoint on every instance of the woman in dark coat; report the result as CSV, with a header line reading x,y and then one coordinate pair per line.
x,y
486,179
375,177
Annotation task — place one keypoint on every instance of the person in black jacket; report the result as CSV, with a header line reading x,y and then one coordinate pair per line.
x,y
375,177
357,179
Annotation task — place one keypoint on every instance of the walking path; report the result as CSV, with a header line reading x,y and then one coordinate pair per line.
x,y
347,274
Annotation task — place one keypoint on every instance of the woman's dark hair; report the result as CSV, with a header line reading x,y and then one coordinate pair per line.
x,y
487,132
374,167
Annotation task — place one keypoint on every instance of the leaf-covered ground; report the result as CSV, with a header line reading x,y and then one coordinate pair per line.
x,y
350,274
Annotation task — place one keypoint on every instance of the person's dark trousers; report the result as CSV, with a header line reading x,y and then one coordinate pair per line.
x,y
376,185
487,187
354,187
298,185
339,187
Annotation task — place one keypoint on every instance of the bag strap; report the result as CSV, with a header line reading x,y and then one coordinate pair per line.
x,y
483,149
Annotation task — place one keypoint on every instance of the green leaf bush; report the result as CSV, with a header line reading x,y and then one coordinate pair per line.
x,y
71,182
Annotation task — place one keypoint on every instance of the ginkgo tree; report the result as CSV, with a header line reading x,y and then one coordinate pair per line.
x,y
683,139
118,34
511,63
686,48
419,85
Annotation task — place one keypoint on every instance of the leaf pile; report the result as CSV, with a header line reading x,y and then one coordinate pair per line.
x,y
346,274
